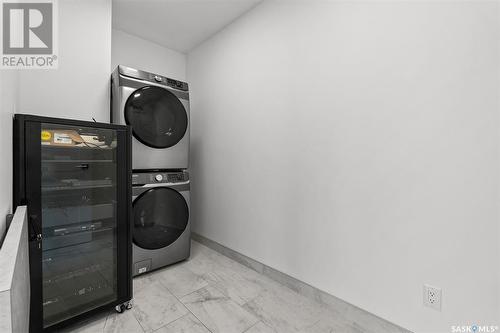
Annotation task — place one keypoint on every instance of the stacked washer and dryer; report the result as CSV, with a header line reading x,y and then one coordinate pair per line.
x,y
157,109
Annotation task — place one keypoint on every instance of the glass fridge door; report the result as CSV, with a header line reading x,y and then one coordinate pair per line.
x,y
78,219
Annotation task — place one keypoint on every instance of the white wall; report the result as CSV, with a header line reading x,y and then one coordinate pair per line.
x,y
145,55
8,103
79,88
355,146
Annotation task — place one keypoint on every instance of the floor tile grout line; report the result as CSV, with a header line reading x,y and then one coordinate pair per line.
x,y
262,275
226,296
105,322
246,301
173,321
168,291
229,299
219,249
192,292
252,299
137,320
242,306
177,298
258,321
192,311
215,285
162,283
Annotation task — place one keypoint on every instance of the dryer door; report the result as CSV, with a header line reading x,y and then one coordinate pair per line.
x,y
160,216
157,117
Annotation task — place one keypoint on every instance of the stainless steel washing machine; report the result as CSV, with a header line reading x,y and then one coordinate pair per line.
x,y
157,109
161,229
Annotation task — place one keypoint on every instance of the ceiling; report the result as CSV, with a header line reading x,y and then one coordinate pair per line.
x,y
177,24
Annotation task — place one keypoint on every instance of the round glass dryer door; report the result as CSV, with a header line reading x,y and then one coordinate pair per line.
x,y
160,216
157,117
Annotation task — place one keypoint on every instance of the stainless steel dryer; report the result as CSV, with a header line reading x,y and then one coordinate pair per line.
x,y
157,109
161,229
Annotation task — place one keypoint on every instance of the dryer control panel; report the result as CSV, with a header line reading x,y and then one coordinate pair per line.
x,y
151,77
168,82
172,177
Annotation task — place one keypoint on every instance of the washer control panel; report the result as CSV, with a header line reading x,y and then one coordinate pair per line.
x,y
172,177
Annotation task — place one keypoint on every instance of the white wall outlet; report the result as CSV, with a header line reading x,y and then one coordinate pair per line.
x,y
432,297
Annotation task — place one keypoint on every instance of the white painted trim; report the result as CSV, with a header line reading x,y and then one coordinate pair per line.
x,y
364,319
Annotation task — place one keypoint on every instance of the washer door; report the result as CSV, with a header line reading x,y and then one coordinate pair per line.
x,y
157,117
160,216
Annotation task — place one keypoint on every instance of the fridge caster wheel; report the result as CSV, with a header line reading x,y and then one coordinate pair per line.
x,y
124,306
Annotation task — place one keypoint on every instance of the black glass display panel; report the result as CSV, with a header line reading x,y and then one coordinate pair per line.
x,y
79,220
157,117
160,216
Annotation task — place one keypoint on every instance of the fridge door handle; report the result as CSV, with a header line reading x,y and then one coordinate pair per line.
x,y
82,166
36,234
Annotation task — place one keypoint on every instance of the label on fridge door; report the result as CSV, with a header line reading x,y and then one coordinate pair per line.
x,y
62,138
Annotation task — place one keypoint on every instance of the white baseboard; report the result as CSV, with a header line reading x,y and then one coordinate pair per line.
x,y
365,319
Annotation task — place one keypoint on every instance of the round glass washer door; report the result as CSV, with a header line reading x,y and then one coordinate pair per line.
x,y
160,217
157,117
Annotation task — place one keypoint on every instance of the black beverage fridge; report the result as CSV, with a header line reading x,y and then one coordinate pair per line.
x,y
75,178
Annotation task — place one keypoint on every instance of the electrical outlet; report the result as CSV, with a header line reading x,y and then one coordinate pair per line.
x,y
432,297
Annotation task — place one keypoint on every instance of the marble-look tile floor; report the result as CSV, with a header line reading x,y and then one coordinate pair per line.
x,y
212,293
